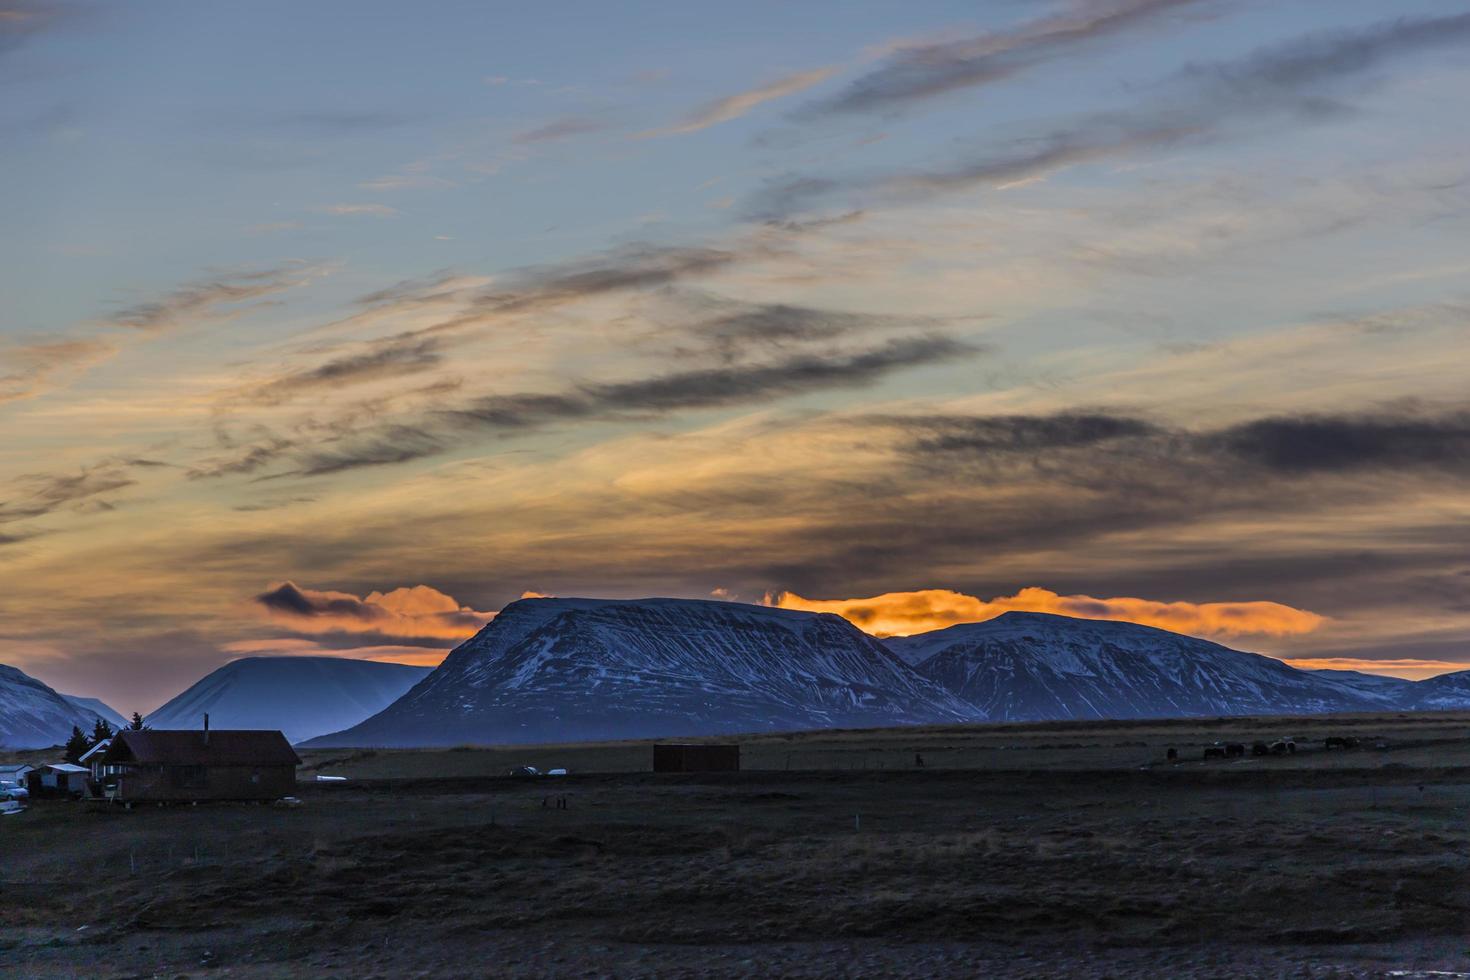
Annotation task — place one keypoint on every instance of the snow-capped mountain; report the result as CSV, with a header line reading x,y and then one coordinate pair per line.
x,y
583,669
1392,692
33,716
1447,692
101,709
301,696
1035,666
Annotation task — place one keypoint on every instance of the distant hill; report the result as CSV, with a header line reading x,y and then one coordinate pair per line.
x,y
585,669
33,716
99,708
301,696
1024,666
1447,692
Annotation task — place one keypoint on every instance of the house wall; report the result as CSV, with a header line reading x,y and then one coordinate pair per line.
x,y
189,783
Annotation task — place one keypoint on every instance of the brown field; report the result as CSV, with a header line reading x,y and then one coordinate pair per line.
x,y
1069,850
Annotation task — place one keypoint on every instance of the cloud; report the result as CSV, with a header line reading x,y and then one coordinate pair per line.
x,y
915,72
375,210
907,613
1407,438
561,129
734,106
419,612
20,20
1296,82
43,493
31,369
210,298
394,357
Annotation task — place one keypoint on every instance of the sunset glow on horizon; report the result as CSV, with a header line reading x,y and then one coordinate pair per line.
x,y
960,308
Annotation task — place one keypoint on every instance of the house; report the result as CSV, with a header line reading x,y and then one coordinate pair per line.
x,y
57,779
92,759
696,758
190,766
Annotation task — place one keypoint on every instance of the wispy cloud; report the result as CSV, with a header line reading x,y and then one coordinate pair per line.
x,y
915,72
211,298
734,106
30,369
562,129
1296,82
375,210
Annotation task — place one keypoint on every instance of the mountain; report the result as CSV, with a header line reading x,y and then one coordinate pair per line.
x,y
1447,692
1036,666
582,669
33,716
301,696
1393,692
101,709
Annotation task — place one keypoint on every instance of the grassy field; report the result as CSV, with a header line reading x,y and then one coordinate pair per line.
x,y
1023,850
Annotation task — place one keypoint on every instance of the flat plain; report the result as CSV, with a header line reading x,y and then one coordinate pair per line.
x,y
1037,850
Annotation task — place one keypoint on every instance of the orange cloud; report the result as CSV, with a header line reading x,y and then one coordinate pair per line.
x,y
1411,669
419,612
907,613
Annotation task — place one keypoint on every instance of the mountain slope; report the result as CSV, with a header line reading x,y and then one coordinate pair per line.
x,y
1447,692
301,696
101,709
1035,666
580,669
34,716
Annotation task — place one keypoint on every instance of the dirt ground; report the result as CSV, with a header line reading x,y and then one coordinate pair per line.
x,y
1017,851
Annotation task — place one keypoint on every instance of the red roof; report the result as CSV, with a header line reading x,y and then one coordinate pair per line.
x,y
190,748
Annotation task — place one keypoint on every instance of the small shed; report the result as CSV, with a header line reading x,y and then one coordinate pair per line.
x,y
696,757
190,766
57,779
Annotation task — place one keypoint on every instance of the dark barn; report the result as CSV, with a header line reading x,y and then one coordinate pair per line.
x,y
696,758
187,766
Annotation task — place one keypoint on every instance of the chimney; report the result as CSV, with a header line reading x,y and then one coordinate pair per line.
x,y
206,728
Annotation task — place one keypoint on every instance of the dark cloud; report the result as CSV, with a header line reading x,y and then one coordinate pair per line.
x,y
626,268
916,72
795,375
394,357
1019,433
1307,444
1296,82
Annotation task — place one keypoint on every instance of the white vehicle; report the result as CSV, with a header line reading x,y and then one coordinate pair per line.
x,y
14,791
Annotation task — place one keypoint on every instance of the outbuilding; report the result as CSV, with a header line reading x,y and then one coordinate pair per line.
x,y
696,757
57,779
14,773
193,766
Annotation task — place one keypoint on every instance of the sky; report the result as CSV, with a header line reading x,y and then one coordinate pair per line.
x,y
332,328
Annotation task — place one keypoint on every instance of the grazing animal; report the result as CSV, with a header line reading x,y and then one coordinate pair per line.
x,y
1234,750
1173,755
1214,751
1260,748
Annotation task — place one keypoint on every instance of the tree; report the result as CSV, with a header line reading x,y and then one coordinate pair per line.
x,y
136,725
101,731
76,746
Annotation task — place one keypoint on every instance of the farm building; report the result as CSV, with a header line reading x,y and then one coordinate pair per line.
x,y
189,766
696,758
57,779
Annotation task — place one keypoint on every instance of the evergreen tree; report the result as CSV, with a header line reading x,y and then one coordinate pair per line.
x,y
77,745
136,725
101,731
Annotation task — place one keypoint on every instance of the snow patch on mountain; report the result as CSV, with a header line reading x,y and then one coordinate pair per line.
x,y
32,715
